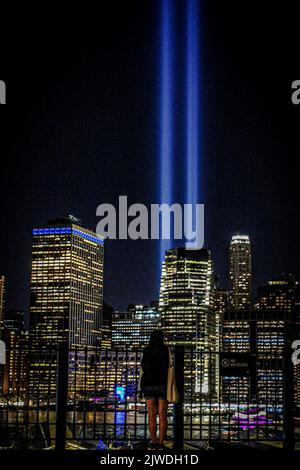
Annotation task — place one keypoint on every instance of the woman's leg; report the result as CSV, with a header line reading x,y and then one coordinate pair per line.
x,y
163,422
152,414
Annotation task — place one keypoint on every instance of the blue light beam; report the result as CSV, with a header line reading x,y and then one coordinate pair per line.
x,y
192,104
166,111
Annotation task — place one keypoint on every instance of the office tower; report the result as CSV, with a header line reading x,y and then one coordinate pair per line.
x,y
2,290
221,305
240,272
283,293
296,336
264,334
236,339
186,297
66,285
66,297
106,327
133,328
15,376
279,293
186,305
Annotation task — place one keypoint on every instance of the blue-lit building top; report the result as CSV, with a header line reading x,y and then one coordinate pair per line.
x,y
68,230
66,283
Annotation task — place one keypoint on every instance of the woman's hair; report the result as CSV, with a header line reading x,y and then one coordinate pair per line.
x,y
156,340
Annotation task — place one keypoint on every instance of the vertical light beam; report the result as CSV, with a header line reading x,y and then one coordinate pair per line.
x,y
192,110
166,111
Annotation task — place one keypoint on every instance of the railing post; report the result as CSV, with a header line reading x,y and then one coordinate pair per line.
x,y
178,407
288,400
61,395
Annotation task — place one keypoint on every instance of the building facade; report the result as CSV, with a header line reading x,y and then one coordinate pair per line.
x,y
66,298
186,305
133,328
240,272
220,306
264,335
106,326
15,371
283,293
2,291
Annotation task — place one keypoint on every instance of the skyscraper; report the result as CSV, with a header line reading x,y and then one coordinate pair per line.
x,y
264,334
106,326
15,373
221,305
283,294
66,284
66,292
186,297
279,294
240,272
2,289
133,328
187,311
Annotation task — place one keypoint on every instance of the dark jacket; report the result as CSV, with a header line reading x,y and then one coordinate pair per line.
x,y
155,365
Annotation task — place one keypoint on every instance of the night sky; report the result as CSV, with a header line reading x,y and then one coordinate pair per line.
x,y
81,127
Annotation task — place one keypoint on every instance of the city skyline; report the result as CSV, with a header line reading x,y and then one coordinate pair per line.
x,y
233,353
90,132
253,290
149,268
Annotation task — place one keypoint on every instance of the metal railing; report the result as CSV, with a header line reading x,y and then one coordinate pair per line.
x,y
88,399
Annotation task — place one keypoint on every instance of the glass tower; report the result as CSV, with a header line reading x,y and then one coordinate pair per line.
x,y
2,291
133,328
15,375
187,314
66,297
283,294
240,272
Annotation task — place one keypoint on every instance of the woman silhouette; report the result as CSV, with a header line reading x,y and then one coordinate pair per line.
x,y
154,378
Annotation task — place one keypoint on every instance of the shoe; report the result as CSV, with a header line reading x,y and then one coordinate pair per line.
x,y
152,446
162,447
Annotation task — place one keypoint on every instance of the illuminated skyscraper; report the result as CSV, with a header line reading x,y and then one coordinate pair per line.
x,y
221,305
2,289
187,310
66,285
106,326
236,338
66,292
133,328
15,373
279,293
283,294
264,334
186,297
240,272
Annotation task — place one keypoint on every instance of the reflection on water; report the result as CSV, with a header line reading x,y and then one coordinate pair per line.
x,y
85,429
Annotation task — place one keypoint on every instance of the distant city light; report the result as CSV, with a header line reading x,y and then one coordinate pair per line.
x,y
120,392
